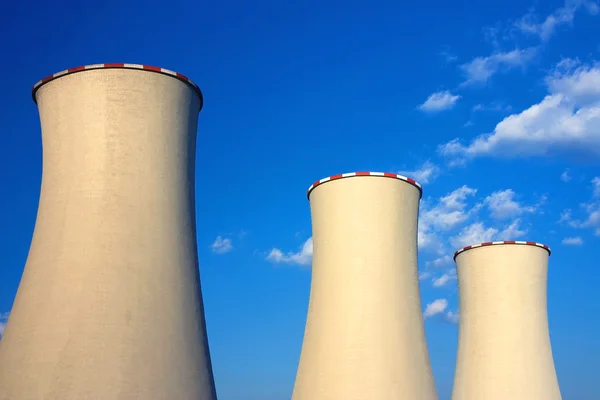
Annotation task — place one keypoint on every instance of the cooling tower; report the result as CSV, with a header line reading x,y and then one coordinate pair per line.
x,y
504,347
109,305
364,336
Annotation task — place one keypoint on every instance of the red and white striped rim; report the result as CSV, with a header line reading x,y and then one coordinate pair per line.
x,y
378,174
484,244
150,68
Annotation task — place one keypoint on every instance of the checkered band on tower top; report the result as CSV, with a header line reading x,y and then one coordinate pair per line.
x,y
374,174
141,67
518,242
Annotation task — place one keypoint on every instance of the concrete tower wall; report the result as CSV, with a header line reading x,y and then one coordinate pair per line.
x,y
504,347
364,336
109,305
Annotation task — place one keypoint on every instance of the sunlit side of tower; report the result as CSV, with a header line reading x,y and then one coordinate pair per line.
x,y
504,349
109,305
364,336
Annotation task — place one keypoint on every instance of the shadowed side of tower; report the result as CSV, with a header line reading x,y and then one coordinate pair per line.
x,y
109,305
364,336
504,349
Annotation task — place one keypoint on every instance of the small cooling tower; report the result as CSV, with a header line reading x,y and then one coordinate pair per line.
x,y
504,350
109,306
364,337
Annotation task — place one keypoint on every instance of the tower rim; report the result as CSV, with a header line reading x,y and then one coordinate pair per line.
x,y
365,174
502,242
138,67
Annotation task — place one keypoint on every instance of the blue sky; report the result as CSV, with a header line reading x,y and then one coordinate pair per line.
x,y
494,107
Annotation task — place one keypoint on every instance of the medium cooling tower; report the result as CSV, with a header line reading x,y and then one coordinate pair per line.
x,y
109,306
504,347
364,336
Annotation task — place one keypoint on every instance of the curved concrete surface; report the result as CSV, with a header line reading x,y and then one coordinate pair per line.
x,y
504,347
364,336
110,305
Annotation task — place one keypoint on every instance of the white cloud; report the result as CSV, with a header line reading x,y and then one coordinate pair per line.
x,y
529,24
426,173
446,213
502,205
477,232
445,278
302,257
438,308
439,101
567,119
221,245
441,281
573,241
481,69
455,200
452,317
511,232
443,221
565,177
435,307
426,239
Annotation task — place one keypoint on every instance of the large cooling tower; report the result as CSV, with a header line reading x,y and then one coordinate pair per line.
x,y
504,347
109,306
364,336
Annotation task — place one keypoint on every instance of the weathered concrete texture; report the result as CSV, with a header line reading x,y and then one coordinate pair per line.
x,y
364,335
109,306
504,347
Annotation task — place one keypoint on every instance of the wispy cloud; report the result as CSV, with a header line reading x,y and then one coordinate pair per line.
x,y
494,106
565,177
426,173
424,275
479,70
444,279
221,245
544,29
301,257
591,211
448,57
596,187
3,319
573,241
440,262
439,101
